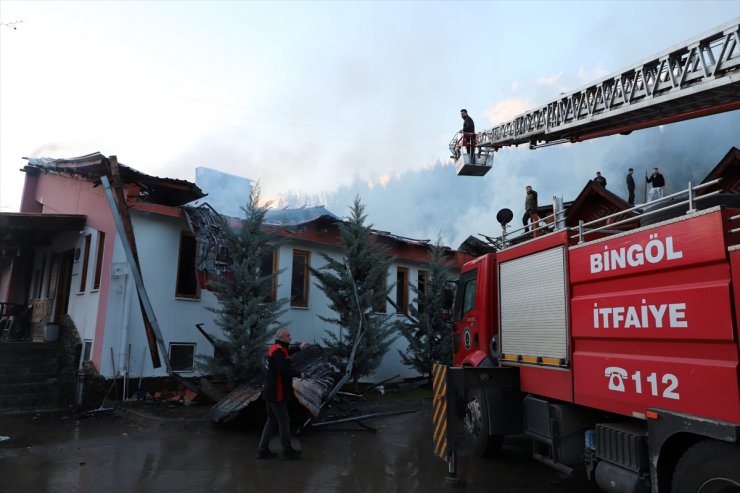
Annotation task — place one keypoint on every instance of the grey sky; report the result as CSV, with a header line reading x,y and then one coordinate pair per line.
x,y
328,99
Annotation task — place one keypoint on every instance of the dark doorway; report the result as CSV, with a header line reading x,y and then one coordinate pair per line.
x,y
61,301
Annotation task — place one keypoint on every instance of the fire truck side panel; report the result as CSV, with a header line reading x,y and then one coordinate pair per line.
x,y
697,306
547,382
651,249
735,268
630,384
533,294
652,321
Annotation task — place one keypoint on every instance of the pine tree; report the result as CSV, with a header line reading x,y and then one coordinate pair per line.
x,y
365,267
429,336
247,314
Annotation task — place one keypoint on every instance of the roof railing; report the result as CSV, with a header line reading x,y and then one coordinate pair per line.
x,y
691,200
557,215
585,228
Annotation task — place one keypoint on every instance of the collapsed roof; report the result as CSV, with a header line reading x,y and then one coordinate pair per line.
x,y
295,217
153,189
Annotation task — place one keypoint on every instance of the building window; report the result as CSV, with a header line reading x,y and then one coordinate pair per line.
x,y
87,350
299,278
99,260
422,281
380,305
402,289
85,261
182,355
187,283
268,267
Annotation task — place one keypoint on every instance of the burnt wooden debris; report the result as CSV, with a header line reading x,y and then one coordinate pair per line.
x,y
310,391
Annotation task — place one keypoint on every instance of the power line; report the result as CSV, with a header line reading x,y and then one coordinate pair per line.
x,y
13,24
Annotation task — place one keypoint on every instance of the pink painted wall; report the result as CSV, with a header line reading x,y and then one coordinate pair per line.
x,y
28,199
54,194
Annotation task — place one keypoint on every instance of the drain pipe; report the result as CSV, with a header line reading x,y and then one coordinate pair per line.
x,y
122,351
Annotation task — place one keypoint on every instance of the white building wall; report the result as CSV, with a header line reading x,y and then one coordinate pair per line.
x,y
306,324
83,304
158,242
158,245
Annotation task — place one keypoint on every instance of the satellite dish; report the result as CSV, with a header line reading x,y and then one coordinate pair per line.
x,y
504,216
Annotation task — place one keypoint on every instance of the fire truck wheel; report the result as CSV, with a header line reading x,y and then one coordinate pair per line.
x,y
476,426
709,466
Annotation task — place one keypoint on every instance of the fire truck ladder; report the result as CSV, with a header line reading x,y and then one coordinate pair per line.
x,y
697,78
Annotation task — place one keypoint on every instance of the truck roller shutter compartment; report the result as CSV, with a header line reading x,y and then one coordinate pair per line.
x,y
533,307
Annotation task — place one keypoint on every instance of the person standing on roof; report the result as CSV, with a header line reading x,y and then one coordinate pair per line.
x,y
630,187
277,387
600,180
658,182
530,206
468,132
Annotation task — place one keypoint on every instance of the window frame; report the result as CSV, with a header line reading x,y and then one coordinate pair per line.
x,y
173,345
402,289
85,262
460,295
99,260
180,268
86,350
303,302
469,294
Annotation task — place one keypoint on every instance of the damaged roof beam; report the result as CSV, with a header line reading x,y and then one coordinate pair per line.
x,y
146,305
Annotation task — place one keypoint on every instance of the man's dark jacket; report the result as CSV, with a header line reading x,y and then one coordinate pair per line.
x,y
468,125
630,183
530,201
280,373
656,179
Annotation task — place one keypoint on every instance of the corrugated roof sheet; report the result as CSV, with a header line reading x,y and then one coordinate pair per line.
x,y
294,217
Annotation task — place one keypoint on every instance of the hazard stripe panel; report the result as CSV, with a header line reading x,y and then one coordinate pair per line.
x,y
439,411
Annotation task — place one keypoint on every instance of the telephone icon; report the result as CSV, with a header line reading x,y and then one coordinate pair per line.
x,y
616,377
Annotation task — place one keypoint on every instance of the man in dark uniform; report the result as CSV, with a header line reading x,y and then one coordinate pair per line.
x,y
630,187
530,207
600,180
278,385
468,131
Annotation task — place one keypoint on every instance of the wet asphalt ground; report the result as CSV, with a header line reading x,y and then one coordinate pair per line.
x,y
59,453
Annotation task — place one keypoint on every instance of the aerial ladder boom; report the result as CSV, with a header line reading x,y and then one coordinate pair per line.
x,y
699,77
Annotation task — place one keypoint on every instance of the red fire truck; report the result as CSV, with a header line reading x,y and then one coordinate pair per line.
x,y
613,345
